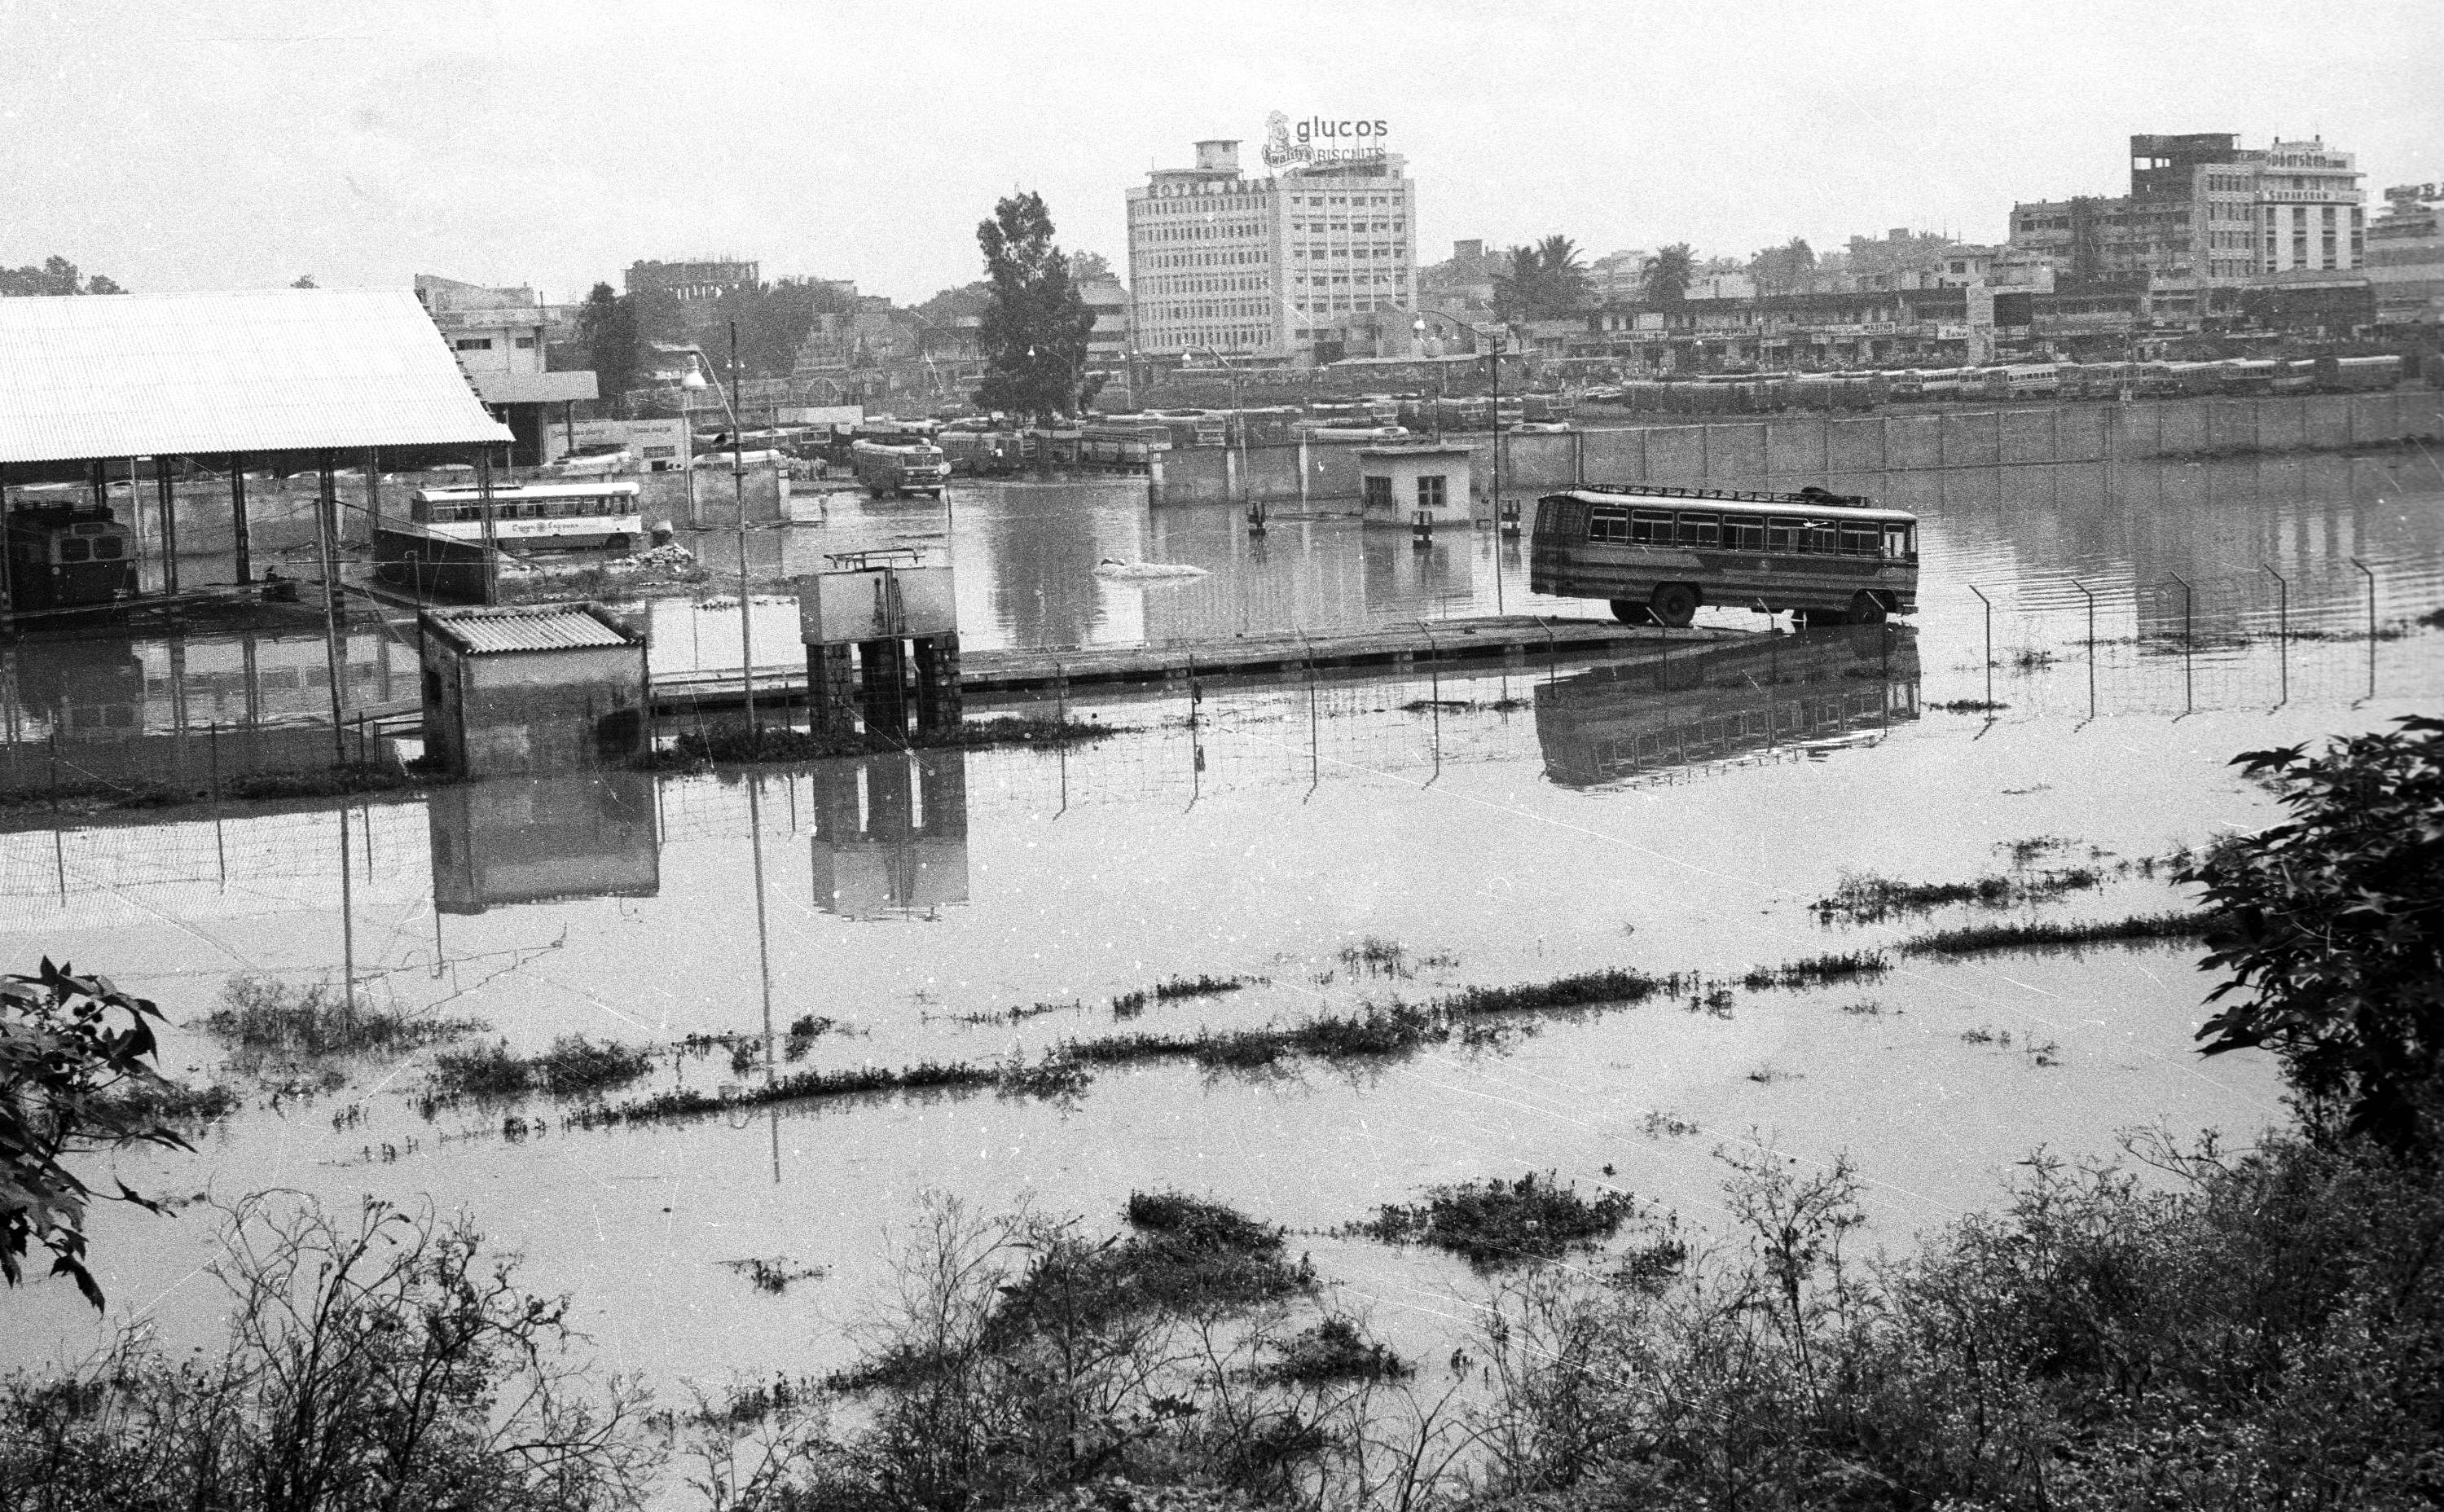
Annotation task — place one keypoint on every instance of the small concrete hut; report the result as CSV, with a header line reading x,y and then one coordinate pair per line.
x,y
530,688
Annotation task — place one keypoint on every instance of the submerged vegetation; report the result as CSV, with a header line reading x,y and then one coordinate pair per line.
x,y
1496,1222
1978,939
264,1017
573,1067
1866,899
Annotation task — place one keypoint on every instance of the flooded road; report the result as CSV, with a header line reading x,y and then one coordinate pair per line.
x,y
1504,827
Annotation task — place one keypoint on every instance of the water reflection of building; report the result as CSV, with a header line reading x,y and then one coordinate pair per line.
x,y
537,840
891,833
1612,724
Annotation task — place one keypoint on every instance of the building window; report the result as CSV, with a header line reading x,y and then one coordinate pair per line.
x,y
1431,492
1379,494
475,343
525,343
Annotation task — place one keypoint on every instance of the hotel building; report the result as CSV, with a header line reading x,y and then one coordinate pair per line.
x,y
1262,270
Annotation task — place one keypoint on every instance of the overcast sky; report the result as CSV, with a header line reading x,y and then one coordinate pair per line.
x,y
240,143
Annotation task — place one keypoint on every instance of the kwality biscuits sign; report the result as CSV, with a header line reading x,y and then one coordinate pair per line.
x,y
1317,142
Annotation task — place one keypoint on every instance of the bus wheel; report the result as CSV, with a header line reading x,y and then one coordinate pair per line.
x,y
1866,609
1673,604
1630,611
617,545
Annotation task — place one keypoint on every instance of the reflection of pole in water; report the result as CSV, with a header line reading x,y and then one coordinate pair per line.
x,y
2189,680
2089,595
2369,573
2282,630
763,951
347,918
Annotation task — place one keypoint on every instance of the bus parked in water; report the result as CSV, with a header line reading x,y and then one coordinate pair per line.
x,y
896,468
605,513
66,556
1657,554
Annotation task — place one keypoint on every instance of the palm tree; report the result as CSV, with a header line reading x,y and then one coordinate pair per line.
x,y
1517,289
1564,285
1668,276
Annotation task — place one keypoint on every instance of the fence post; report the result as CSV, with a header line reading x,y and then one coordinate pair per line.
x,y
2189,680
1989,643
2091,596
2369,573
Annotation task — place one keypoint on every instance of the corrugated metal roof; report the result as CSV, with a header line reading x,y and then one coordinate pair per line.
x,y
190,375
535,627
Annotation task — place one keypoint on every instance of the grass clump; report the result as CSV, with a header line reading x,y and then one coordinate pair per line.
x,y
1496,1222
573,1067
1980,938
1200,986
1332,1350
774,1274
265,1018
1866,899
1817,969
1585,989
159,1099
1184,1255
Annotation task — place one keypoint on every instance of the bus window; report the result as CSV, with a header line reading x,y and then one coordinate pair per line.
x,y
1743,532
1610,526
1897,541
1820,536
1700,529
73,549
1783,533
107,548
1650,527
1858,541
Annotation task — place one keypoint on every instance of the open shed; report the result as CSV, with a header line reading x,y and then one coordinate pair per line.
x,y
532,688
93,386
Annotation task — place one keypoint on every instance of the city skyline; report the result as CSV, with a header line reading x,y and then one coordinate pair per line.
x,y
553,145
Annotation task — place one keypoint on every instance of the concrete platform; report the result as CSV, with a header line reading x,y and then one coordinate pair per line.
x,y
1517,638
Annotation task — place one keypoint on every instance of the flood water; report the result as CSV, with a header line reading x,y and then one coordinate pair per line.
x,y
1508,827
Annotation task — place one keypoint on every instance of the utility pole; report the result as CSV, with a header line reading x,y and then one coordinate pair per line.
x,y
738,492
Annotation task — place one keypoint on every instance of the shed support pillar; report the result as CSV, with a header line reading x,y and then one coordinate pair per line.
x,y
165,496
240,543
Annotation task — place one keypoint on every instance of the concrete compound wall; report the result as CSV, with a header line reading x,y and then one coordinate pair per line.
x,y
1803,449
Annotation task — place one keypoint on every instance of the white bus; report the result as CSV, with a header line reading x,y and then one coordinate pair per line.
x,y
605,513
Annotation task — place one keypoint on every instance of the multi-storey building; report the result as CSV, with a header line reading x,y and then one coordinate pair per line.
x,y
2203,212
1262,270
2405,256
704,277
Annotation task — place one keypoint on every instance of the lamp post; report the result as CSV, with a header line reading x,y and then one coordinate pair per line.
x,y
695,380
1494,420
1238,420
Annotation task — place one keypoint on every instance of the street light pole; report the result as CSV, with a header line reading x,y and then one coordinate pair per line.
x,y
738,493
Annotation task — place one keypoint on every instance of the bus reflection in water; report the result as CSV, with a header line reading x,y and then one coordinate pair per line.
x,y
1814,689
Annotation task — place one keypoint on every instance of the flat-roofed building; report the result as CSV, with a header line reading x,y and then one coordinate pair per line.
x,y
1262,268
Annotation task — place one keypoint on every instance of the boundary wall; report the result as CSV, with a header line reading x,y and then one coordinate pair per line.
x,y
1802,448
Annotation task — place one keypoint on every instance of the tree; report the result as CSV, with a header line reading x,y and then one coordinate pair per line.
x,y
607,327
1563,277
304,281
1668,276
56,276
1086,267
67,1072
1783,268
2331,924
1033,334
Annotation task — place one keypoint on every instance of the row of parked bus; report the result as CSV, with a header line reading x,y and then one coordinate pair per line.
x,y
1769,393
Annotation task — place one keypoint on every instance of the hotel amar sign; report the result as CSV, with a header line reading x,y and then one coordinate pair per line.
x,y
1317,142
